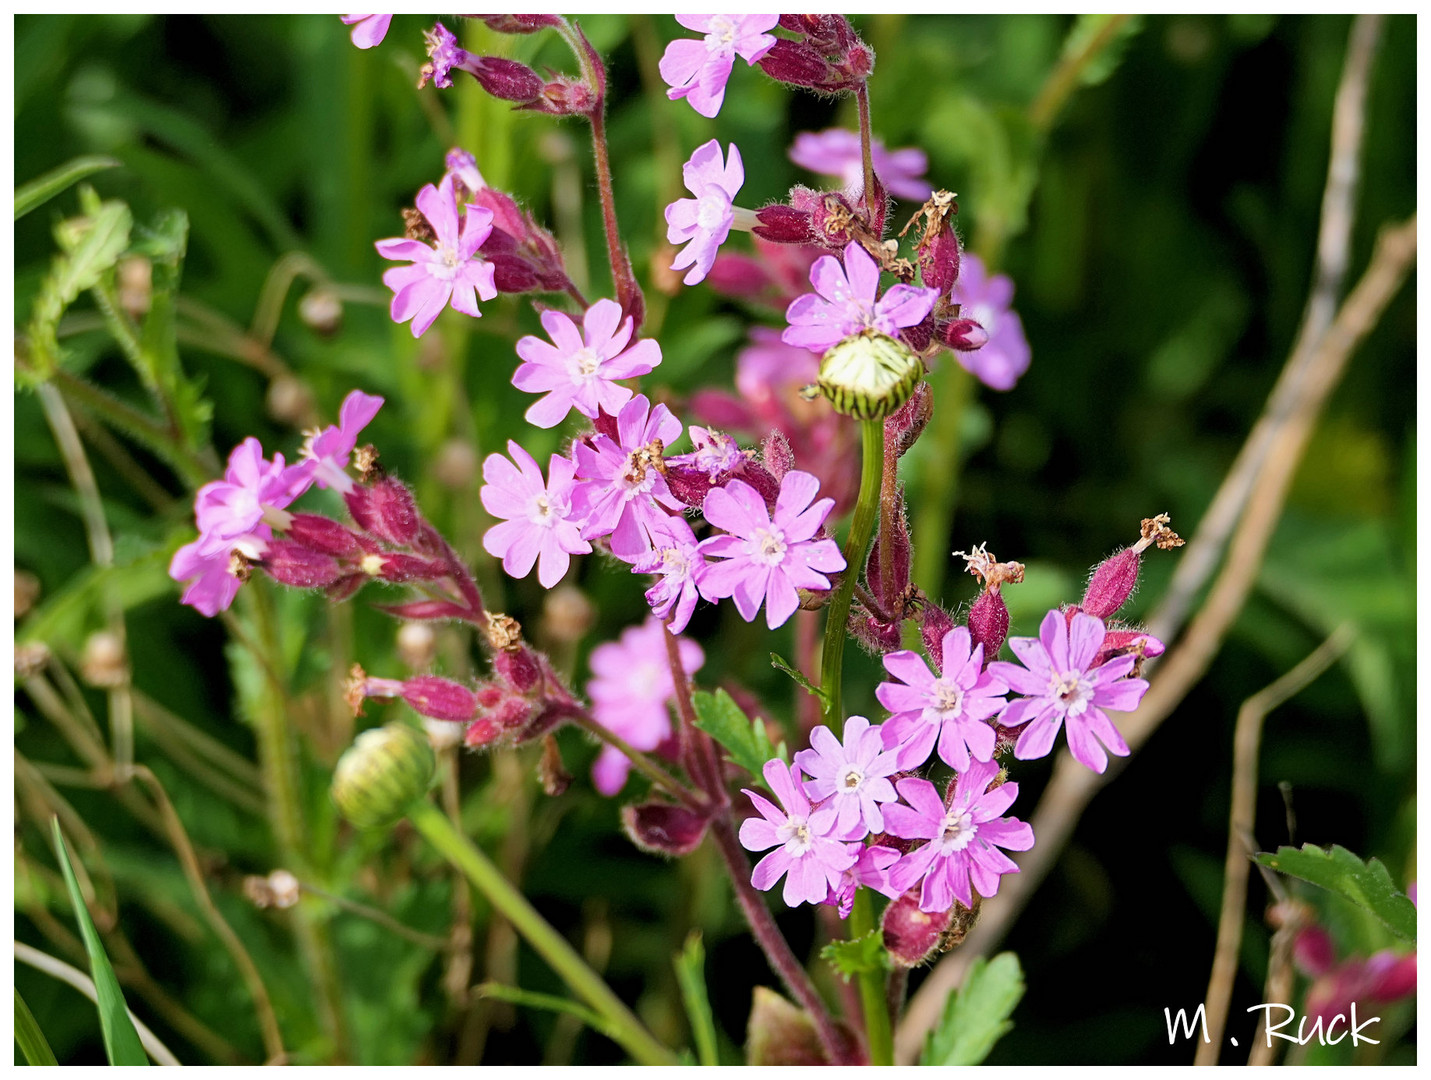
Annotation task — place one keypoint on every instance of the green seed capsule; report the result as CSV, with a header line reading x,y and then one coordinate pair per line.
x,y
383,773
869,375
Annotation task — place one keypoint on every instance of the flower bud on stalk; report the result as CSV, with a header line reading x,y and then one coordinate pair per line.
x,y
520,24
1114,579
912,936
869,375
291,563
384,772
663,828
386,509
989,615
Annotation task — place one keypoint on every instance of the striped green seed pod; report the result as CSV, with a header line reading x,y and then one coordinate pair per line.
x,y
384,772
869,375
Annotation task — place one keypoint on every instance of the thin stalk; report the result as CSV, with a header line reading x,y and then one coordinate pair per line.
x,y
862,99
435,827
697,752
866,509
639,761
888,507
874,990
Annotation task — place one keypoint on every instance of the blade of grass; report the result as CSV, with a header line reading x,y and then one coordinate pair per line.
x,y
44,188
530,998
28,1036
121,1041
691,974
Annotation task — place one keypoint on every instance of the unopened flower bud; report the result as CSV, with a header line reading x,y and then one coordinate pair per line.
x,y
481,732
104,661
439,698
27,591
291,563
934,623
323,535
779,1033
417,645
903,427
400,568
783,224
796,63
384,772
289,401
520,24
776,455
989,623
869,375
321,310
663,828
388,510
912,936
963,334
519,667
1313,951
567,615
455,466
1115,577
506,79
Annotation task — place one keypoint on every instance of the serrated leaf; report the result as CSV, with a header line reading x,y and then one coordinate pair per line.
x,y
691,974
779,663
860,956
28,1036
1366,884
744,740
978,1016
44,188
121,1041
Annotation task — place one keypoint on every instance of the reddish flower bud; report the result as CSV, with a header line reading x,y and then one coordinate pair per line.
x,y
506,79
481,732
776,455
425,609
892,593
689,485
904,426
520,24
322,534
934,623
439,698
520,667
489,696
783,224
859,61
1390,977
912,936
963,334
1122,642
394,513
564,96
1313,951
876,636
399,568
938,257
664,829
513,712
290,563
796,63
1111,584
345,587
989,623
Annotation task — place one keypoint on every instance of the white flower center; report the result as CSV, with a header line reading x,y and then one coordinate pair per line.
x,y
541,512
673,563
445,263
644,681
768,546
711,211
722,32
585,362
1071,691
948,698
959,830
852,779
795,835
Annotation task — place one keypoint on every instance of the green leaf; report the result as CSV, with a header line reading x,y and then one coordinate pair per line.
x,y
745,740
779,663
28,1036
1102,40
121,1041
978,1016
551,1003
42,189
1366,884
690,973
858,957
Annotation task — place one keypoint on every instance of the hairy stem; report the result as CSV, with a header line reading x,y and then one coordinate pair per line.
x,y
862,99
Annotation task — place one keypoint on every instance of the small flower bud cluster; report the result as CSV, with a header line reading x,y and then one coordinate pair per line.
x,y
827,57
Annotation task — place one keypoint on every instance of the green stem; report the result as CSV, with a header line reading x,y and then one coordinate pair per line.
x,y
939,483
873,997
585,983
866,509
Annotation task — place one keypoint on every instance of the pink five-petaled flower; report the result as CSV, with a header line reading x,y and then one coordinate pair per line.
x,y
1064,686
768,559
450,270
368,30
836,152
330,449
538,515
630,695
810,855
964,838
853,774
846,303
703,223
580,374
953,707
699,70
235,514
988,300
623,484
676,558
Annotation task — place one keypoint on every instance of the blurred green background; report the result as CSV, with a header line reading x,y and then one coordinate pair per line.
x,y
1161,235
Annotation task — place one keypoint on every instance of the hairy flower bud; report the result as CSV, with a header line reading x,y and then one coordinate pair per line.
x,y
783,224
384,772
912,936
964,335
664,829
934,623
386,509
520,24
1114,579
400,568
903,427
323,534
776,455
291,563
778,1033
989,623
796,63
506,79
869,375
439,698
520,668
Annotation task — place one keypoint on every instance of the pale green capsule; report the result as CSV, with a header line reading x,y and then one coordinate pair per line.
x,y
383,773
869,375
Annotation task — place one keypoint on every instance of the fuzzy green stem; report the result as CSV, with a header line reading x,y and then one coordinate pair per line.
x,y
866,509
874,999
585,983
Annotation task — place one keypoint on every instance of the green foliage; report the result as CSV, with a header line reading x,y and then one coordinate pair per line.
x,y
44,188
746,740
863,955
779,663
690,965
1366,884
978,1015
28,1036
121,1041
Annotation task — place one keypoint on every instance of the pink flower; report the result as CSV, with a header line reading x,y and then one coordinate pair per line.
x,y
580,374
964,839
767,559
699,70
368,30
450,270
846,305
870,870
715,452
810,856
1065,685
235,515
1000,361
703,223
443,54
538,515
836,152
677,560
330,449
852,774
630,695
954,707
623,486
